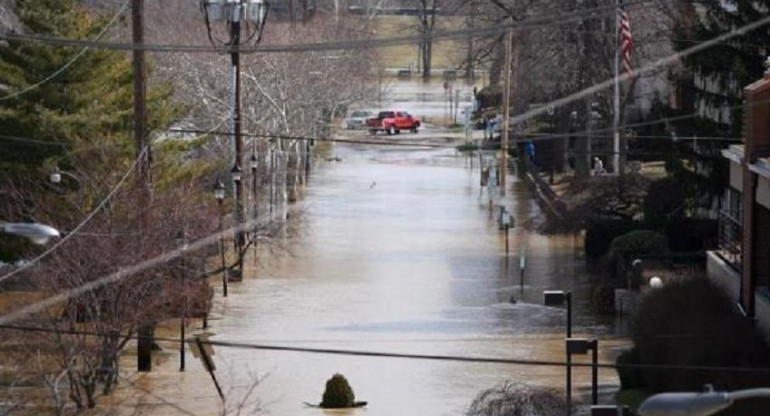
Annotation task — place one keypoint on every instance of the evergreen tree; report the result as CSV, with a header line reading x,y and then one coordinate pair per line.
x,y
718,74
87,108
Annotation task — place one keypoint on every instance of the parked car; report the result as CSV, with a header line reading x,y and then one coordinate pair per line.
x,y
356,120
392,122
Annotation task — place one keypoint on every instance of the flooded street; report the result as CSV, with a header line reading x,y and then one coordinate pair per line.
x,y
398,251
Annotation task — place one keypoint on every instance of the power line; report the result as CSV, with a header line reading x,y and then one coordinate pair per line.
x,y
671,59
528,24
30,141
381,354
71,61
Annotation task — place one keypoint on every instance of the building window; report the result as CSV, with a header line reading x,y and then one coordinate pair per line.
x,y
730,228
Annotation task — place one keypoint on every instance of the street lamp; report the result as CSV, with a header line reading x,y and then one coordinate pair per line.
x,y
35,232
252,13
582,346
705,403
237,174
219,194
57,173
254,164
559,298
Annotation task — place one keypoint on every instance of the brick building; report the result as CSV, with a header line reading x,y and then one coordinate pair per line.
x,y
742,263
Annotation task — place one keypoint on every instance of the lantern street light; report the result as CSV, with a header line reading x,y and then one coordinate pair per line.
x,y
705,403
237,174
251,14
219,194
57,173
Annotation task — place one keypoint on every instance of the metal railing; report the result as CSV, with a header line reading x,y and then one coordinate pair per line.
x,y
730,235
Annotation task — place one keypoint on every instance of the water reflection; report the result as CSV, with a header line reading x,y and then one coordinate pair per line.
x,y
399,252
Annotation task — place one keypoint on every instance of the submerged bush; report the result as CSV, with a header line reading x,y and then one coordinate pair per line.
x,y
518,399
338,393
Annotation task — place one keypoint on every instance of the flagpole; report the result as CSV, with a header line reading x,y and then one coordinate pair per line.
x,y
616,109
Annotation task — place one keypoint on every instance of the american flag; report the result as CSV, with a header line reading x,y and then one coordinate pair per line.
x,y
626,40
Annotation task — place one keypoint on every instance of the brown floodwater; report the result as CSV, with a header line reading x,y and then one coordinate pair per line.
x,y
398,251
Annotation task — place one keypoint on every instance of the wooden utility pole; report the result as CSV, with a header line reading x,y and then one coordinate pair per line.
x,y
145,331
240,239
140,98
506,113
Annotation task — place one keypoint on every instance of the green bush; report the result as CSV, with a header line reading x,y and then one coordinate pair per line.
x,y
629,246
692,322
692,234
338,393
599,235
630,377
664,201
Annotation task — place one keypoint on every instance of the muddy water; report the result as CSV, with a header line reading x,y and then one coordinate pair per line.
x,y
398,252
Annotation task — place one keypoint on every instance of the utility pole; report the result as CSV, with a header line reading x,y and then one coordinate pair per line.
x,y
506,112
235,56
145,331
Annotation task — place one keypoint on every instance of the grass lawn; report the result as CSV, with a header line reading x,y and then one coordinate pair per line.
x,y
446,54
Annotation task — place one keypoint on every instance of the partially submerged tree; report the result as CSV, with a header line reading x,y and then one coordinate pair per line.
x,y
517,399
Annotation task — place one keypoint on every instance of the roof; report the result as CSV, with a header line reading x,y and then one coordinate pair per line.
x,y
734,153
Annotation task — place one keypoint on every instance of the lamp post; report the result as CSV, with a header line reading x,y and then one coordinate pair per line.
x,y
254,164
505,222
182,241
237,175
219,194
582,346
251,14
559,298
705,403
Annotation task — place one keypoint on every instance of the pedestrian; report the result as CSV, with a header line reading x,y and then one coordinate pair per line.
x,y
598,167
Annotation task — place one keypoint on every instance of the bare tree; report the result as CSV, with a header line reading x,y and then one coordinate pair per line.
x,y
517,399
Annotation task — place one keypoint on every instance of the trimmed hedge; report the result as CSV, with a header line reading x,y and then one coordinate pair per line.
x,y
338,393
599,235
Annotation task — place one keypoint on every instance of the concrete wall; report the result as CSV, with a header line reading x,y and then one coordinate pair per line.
x,y
763,191
736,176
726,277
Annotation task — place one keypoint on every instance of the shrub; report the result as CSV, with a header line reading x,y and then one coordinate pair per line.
x,y
599,235
630,377
664,201
338,393
692,322
629,246
692,234
518,399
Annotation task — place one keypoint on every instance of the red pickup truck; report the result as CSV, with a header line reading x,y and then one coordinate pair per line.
x,y
392,122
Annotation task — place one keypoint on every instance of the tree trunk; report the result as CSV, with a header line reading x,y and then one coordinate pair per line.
x,y
427,52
